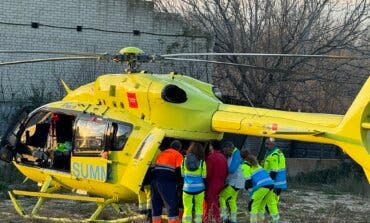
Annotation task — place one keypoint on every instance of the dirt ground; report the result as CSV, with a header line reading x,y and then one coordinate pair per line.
x,y
295,206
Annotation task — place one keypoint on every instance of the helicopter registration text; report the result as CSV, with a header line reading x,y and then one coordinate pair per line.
x,y
89,168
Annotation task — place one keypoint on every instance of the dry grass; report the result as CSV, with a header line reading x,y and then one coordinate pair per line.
x,y
295,206
304,201
348,177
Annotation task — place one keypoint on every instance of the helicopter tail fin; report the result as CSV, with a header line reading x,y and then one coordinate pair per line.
x,y
66,86
354,129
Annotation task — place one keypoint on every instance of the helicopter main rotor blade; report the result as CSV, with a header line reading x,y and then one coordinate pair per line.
x,y
273,70
52,52
48,59
262,55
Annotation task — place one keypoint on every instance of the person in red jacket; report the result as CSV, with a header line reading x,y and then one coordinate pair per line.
x,y
217,171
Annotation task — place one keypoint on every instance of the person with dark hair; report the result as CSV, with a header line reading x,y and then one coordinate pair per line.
x,y
215,182
176,144
194,171
234,183
258,184
165,175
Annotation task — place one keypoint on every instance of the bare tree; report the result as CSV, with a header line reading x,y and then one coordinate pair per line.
x,y
285,26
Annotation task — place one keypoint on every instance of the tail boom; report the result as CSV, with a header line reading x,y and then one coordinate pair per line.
x,y
350,132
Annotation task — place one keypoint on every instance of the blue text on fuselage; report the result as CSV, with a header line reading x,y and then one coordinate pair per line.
x,y
89,171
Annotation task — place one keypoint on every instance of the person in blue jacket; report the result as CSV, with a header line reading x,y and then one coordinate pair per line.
x,y
259,185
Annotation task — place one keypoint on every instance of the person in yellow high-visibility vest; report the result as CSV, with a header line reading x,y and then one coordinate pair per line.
x,y
194,171
274,163
234,182
258,183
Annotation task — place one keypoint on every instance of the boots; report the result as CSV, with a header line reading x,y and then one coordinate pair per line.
x,y
176,220
157,220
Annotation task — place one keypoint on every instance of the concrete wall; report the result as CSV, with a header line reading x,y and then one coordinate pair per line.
x,y
107,26
306,165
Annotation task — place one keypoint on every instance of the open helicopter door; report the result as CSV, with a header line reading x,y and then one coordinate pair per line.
x,y
142,159
95,136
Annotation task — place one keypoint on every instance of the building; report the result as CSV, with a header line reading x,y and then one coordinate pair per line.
x,y
84,26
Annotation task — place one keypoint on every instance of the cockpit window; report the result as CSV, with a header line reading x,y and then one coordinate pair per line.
x,y
90,135
120,135
38,118
46,140
37,129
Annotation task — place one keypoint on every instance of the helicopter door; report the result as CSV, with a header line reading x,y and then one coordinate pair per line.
x,y
138,166
90,140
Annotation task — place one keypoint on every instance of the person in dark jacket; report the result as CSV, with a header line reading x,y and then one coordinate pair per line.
x,y
217,171
166,173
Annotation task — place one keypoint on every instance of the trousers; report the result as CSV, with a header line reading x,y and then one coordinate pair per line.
x,y
164,194
193,202
257,203
228,197
271,201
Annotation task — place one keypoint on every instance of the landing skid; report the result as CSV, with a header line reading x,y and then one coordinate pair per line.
x,y
47,192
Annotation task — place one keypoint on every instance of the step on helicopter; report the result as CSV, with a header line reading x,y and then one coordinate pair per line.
x,y
134,113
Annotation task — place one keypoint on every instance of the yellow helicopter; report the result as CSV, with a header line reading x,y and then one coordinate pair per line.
x,y
131,115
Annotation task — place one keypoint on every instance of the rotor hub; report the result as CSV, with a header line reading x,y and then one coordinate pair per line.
x,y
131,51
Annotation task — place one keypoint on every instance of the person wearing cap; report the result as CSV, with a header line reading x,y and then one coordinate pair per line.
x,y
234,182
274,163
165,176
217,171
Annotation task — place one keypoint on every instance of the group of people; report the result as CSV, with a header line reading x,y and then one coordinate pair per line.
x,y
203,185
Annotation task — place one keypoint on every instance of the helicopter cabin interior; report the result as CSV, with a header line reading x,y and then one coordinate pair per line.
x,y
50,138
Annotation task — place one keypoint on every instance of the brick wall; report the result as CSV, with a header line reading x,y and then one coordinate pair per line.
x,y
107,26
